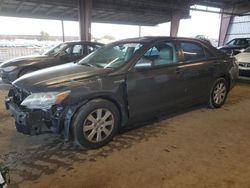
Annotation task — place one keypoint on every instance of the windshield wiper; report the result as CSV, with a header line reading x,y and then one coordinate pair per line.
x,y
92,65
88,64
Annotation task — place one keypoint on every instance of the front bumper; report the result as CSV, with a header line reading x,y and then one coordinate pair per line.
x,y
29,123
244,72
35,122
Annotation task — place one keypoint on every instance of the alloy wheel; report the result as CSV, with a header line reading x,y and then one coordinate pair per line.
x,y
220,92
98,125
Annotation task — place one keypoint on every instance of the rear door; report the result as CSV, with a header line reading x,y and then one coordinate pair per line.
x,y
153,84
197,70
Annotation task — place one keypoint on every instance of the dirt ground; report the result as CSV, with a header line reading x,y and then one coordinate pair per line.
x,y
195,149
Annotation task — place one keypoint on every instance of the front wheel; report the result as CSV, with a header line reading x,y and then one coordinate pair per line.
x,y
218,93
96,123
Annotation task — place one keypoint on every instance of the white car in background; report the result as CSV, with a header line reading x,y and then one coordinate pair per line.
x,y
244,63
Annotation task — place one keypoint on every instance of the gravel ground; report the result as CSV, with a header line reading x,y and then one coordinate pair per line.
x,y
197,148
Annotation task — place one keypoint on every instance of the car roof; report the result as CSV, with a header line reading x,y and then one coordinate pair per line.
x,y
83,42
241,38
149,39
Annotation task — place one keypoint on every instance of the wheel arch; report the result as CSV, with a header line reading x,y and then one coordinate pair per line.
x,y
120,107
227,78
112,100
27,68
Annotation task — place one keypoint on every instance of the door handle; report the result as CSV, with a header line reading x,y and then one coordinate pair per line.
x,y
179,71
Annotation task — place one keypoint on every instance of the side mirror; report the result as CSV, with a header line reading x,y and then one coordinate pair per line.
x,y
143,66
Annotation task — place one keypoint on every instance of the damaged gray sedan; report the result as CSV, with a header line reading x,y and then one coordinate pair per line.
x,y
120,84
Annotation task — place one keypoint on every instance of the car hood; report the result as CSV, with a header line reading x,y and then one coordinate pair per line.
x,y
243,57
25,60
59,78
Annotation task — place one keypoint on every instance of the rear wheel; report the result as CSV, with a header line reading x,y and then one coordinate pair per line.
x,y
218,93
96,123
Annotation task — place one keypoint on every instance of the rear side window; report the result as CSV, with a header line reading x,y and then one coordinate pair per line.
x,y
77,50
192,51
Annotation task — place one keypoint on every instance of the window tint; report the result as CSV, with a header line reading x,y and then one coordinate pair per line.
x,y
163,53
192,51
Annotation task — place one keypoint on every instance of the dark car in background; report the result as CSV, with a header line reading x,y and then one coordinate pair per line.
x,y
63,53
120,84
235,46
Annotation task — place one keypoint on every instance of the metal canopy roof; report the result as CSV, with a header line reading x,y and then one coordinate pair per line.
x,y
136,12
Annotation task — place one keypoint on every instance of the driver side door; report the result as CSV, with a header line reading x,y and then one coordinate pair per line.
x,y
153,84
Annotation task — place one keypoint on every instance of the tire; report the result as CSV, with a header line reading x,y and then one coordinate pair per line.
x,y
26,71
218,93
96,123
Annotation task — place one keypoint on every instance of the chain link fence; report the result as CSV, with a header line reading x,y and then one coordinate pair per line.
x,y
7,53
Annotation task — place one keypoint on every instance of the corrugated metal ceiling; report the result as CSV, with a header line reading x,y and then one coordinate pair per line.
x,y
139,12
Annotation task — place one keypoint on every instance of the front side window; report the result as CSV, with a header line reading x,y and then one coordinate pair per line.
x,y
112,56
192,51
163,53
56,50
241,42
73,50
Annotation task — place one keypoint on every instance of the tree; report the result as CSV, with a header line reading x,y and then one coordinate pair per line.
x,y
44,35
108,37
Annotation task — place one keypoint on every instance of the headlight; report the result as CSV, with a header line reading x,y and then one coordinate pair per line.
x,y
9,69
44,100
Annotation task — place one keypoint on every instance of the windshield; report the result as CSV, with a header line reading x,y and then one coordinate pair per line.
x,y
111,56
238,42
56,49
232,42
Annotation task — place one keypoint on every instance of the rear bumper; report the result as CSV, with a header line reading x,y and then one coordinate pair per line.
x,y
29,123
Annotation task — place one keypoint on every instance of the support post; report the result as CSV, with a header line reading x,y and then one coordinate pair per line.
x,y
139,31
63,35
175,22
85,15
224,25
